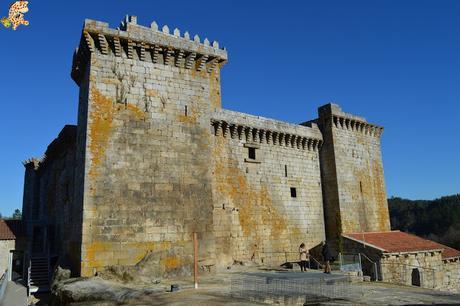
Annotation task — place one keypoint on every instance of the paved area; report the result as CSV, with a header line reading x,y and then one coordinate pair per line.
x,y
262,287
15,295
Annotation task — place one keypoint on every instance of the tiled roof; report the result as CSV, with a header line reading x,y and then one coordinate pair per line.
x,y
398,242
11,229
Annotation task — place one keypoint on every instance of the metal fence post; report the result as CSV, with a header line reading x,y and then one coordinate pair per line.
x,y
340,261
360,265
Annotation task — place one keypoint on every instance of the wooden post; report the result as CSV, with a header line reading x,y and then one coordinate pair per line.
x,y
195,270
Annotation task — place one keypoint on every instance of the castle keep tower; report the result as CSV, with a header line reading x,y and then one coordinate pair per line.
x,y
154,158
143,143
352,174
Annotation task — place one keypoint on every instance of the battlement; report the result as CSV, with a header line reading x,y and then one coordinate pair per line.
x,y
333,114
133,41
264,130
32,163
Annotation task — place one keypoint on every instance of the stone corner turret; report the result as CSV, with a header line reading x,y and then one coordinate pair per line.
x,y
150,44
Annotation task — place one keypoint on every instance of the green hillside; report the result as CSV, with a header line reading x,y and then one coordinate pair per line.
x,y
438,219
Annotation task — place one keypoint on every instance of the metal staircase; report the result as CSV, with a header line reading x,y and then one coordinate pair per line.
x,y
39,273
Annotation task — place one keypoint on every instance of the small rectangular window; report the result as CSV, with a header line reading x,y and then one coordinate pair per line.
x,y
285,170
251,153
293,192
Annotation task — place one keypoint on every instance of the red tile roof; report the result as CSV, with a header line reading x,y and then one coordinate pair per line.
x,y
399,242
11,229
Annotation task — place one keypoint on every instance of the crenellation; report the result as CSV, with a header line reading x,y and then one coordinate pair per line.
x,y
357,126
132,39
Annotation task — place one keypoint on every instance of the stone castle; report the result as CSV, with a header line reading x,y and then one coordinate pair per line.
x,y
155,158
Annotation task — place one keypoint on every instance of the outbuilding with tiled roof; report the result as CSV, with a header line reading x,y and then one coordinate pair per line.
x,y
399,257
11,235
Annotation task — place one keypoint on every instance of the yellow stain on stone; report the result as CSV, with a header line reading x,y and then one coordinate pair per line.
x,y
136,111
101,119
171,262
137,251
214,87
255,205
100,126
151,93
191,116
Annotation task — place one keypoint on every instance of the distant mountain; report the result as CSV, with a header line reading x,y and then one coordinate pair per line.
x,y
438,219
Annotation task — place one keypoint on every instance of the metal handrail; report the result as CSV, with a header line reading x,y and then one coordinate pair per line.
x,y
3,283
374,264
288,252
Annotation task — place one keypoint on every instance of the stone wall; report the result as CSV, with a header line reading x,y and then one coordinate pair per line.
x,y
352,173
398,268
256,218
147,176
5,247
49,200
451,277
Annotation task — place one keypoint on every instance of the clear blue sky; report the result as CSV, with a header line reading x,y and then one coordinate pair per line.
x,y
397,63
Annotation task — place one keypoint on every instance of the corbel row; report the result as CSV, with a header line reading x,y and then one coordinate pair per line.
x,y
257,135
155,53
356,125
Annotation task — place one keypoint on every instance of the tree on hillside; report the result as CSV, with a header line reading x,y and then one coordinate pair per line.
x,y
17,214
438,219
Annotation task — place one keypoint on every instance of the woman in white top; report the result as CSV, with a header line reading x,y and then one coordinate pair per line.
x,y
303,252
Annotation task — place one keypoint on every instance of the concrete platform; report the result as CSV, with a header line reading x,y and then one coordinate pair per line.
x,y
15,295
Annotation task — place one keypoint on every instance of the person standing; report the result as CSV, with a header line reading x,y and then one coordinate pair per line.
x,y
303,252
327,257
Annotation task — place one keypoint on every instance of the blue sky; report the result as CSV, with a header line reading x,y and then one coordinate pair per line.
x,y
395,62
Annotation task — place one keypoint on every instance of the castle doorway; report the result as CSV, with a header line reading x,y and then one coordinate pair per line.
x,y
415,277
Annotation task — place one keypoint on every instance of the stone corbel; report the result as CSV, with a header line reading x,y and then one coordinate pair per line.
x,y
233,131
117,46
103,44
269,136
261,135
190,60
130,52
217,126
142,55
169,56
342,124
155,52
248,133
299,142
304,143
309,144
240,130
255,135
89,42
212,64
281,139
275,136
225,129
180,58
201,62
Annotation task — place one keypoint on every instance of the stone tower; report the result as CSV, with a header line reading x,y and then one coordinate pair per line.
x,y
143,144
352,174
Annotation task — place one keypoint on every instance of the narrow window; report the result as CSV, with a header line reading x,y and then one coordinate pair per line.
x,y
251,153
285,170
185,110
361,187
293,192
